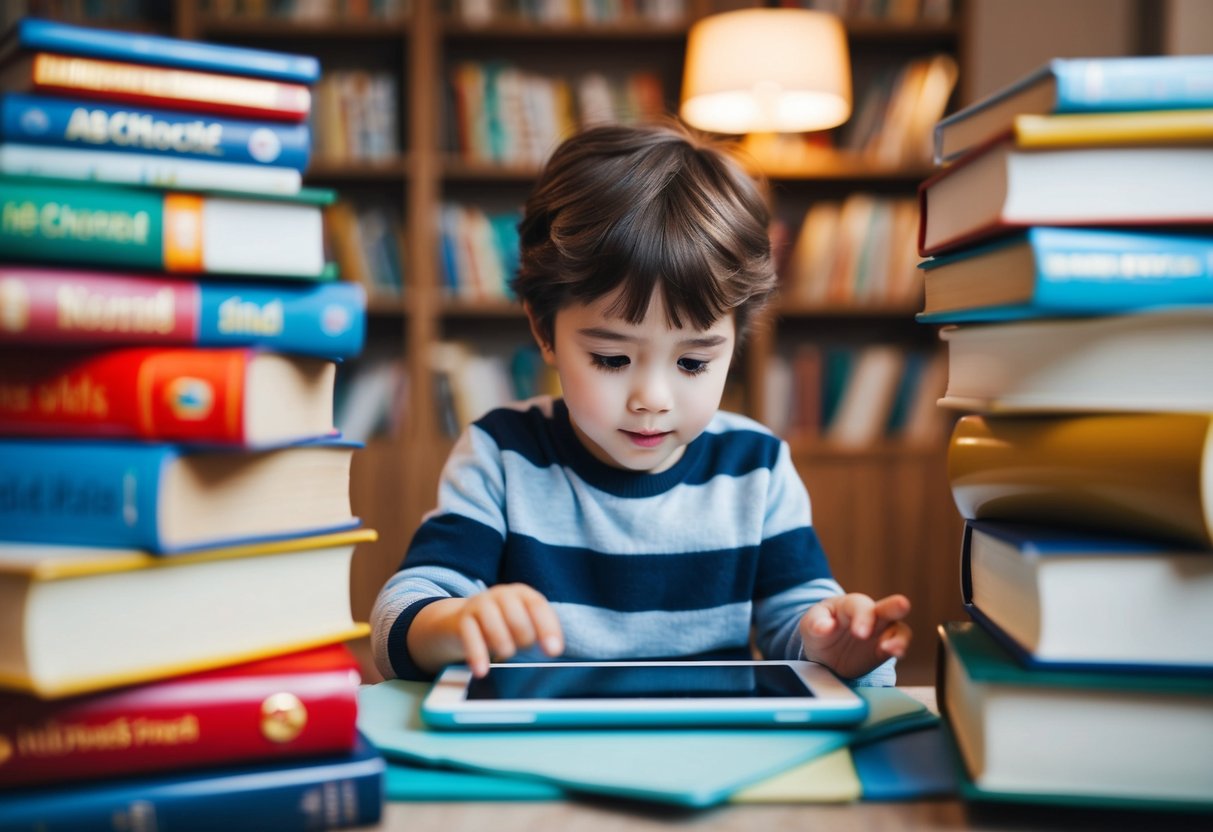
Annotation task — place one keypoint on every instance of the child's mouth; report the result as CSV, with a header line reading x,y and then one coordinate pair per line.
x,y
646,440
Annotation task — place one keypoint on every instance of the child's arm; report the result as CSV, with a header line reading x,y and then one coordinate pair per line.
x,y
499,621
853,634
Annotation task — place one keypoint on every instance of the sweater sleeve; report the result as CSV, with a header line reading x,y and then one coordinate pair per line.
x,y
454,553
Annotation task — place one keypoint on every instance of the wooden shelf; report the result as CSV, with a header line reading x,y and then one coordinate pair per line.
x,y
356,171
790,308
286,28
455,169
524,30
464,308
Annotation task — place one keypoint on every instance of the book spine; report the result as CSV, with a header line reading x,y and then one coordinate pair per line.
x,y
329,793
150,393
37,119
145,169
80,224
90,494
33,33
183,724
167,87
328,320
1120,128
1096,85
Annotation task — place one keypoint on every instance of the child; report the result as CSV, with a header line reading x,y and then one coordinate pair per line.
x,y
630,518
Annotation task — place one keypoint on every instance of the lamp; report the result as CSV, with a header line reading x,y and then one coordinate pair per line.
x,y
767,70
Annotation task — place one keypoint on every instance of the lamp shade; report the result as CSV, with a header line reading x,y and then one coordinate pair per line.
x,y
767,70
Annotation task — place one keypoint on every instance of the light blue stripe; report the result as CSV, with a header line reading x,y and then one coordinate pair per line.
x,y
472,483
594,633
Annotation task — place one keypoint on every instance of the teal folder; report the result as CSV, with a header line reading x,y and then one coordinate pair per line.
x,y
692,768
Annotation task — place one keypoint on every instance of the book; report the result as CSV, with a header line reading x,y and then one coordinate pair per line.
x,y
1143,474
1144,361
295,705
233,396
1054,272
45,306
312,793
1143,127
1000,187
156,86
33,34
1112,739
142,228
82,618
1079,85
67,122
1056,598
169,498
145,169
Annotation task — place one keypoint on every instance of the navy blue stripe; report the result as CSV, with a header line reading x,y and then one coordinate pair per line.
x,y
397,643
788,560
457,542
631,583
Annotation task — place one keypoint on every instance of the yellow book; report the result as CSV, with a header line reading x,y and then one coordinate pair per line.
x,y
1127,128
1148,474
78,619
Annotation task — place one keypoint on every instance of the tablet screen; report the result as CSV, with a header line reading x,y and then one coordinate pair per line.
x,y
558,681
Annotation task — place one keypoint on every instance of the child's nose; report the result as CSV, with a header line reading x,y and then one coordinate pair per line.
x,y
649,394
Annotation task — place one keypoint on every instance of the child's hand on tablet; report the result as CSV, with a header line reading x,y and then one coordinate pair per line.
x,y
853,634
503,620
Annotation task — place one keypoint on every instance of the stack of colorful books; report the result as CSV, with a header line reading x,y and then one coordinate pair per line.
x,y
175,523
1071,245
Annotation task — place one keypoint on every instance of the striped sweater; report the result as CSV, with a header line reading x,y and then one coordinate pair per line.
x,y
686,562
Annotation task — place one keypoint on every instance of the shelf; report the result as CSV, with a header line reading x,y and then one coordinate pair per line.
x,y
455,169
523,30
465,308
798,309
849,167
358,171
386,306
284,28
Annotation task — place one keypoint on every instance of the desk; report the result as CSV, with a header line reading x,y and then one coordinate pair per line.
x,y
601,815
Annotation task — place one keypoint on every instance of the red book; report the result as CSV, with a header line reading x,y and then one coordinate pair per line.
x,y
235,396
160,86
295,705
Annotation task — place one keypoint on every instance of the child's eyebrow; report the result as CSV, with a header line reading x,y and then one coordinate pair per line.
x,y
602,334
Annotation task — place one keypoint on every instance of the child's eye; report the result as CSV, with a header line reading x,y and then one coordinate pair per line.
x,y
692,366
609,362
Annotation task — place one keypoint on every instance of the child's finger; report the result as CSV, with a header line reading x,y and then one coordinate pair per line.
x,y
496,632
820,619
475,651
517,619
861,612
895,639
546,624
893,608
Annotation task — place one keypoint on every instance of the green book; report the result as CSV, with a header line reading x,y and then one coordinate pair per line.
x,y
84,223
1097,739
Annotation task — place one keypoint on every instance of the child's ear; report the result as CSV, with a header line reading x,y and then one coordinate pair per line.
x,y
545,348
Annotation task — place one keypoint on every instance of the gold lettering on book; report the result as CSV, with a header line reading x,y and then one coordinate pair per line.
x,y
130,129
69,395
1108,265
60,739
80,309
241,317
56,221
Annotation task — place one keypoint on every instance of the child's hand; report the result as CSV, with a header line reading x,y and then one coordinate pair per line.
x,y
504,619
853,634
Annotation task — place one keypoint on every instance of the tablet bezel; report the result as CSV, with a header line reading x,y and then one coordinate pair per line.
x,y
832,703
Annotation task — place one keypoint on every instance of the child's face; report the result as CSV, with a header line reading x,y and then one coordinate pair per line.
x,y
638,393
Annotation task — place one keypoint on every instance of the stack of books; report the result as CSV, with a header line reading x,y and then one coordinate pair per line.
x,y
175,524
1071,239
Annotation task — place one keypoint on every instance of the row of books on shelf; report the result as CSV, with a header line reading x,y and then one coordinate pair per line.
x,y
479,251
854,251
566,12
367,241
1078,356
901,12
356,117
307,10
471,380
502,114
167,436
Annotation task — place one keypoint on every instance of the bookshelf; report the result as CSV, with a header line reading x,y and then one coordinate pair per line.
x,y
884,509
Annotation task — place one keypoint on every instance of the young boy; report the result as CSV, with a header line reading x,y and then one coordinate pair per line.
x,y
631,519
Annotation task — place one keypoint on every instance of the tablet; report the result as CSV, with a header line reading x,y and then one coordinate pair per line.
x,y
650,694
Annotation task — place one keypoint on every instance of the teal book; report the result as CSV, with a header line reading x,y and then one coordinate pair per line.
x,y
1055,272
1080,85
312,793
53,222
168,498
1111,739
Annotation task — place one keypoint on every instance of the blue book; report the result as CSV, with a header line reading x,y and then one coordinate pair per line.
x,y
305,795
41,119
30,34
168,498
1079,85
1053,272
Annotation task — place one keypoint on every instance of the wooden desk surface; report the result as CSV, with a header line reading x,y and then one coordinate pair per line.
x,y
604,815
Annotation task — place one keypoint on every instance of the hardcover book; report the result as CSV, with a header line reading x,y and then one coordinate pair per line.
x,y
1080,85
168,498
33,34
1000,187
1057,599
83,619
294,705
1151,360
1096,739
1057,272
310,794
66,122
45,306
50,221
1127,128
235,396
1142,474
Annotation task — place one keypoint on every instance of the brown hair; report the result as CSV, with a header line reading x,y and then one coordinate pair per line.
x,y
640,207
